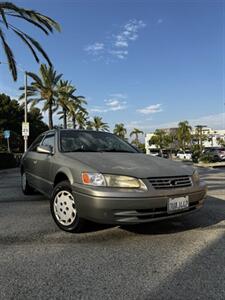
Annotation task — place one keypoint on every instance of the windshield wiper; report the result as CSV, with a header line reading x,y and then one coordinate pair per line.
x,y
115,150
81,150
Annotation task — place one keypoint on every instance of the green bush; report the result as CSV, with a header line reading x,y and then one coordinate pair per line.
x,y
207,158
7,161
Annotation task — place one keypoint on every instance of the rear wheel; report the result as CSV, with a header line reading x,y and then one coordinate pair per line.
x,y
64,209
26,188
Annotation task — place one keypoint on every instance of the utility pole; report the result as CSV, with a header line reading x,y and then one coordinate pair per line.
x,y
25,109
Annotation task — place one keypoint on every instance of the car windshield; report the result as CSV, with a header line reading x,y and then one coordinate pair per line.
x,y
92,141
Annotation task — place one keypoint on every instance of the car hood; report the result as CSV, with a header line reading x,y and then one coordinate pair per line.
x,y
131,164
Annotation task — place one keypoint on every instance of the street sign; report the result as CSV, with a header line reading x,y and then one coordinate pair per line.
x,y
25,129
6,134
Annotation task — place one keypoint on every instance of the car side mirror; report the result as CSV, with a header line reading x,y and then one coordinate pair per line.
x,y
45,149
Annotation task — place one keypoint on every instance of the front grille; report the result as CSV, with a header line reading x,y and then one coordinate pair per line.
x,y
170,182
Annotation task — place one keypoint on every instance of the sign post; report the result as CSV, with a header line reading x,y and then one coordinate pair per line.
x,y
7,136
25,133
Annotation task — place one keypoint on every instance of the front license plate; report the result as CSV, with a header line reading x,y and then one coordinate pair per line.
x,y
177,204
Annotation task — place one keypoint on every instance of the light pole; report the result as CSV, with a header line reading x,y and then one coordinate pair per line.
x,y
25,102
25,109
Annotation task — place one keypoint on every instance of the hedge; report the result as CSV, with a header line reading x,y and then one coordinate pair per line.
x,y
7,160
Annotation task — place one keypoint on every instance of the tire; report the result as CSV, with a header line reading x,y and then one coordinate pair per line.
x,y
26,188
64,210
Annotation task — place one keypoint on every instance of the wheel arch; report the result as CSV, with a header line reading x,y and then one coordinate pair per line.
x,y
63,174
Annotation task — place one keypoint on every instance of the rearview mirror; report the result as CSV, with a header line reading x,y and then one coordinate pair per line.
x,y
45,149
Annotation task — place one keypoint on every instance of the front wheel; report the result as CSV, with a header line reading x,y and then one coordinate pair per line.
x,y
26,188
64,210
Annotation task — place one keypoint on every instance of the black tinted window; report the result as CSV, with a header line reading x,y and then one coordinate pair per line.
x,y
49,140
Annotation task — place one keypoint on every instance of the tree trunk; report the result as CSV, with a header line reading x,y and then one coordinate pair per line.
x,y
50,122
74,122
64,119
136,139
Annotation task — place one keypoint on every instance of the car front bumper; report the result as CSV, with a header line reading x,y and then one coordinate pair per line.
x,y
132,210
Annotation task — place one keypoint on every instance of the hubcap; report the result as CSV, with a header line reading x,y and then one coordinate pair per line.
x,y
24,181
64,207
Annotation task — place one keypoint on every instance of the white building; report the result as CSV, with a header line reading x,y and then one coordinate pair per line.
x,y
211,141
148,137
212,136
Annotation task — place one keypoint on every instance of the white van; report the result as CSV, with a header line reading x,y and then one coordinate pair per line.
x,y
184,155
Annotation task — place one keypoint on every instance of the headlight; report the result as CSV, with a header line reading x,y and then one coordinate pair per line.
x,y
97,179
123,181
195,176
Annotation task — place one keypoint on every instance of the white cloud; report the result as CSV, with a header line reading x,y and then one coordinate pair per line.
x,y
159,21
121,54
119,95
129,32
115,104
95,48
121,44
111,104
98,110
118,48
151,109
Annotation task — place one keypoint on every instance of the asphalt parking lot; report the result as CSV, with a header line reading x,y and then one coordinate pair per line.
x,y
182,258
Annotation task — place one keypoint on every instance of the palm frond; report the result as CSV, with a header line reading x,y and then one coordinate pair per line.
x,y
28,44
35,77
29,21
10,56
4,18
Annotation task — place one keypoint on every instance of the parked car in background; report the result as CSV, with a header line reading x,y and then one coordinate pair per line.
x,y
154,151
91,175
165,153
159,152
214,154
184,155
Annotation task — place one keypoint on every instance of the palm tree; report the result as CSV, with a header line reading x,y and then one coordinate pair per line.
x,y
199,136
184,134
160,139
120,130
99,125
136,132
89,125
44,88
65,94
75,107
82,119
44,23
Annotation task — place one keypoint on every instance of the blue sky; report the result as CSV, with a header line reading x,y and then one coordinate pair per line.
x,y
147,64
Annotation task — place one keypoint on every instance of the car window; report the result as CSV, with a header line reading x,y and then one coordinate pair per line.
x,y
92,141
36,143
49,140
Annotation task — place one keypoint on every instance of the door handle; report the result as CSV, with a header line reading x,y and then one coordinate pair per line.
x,y
35,162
